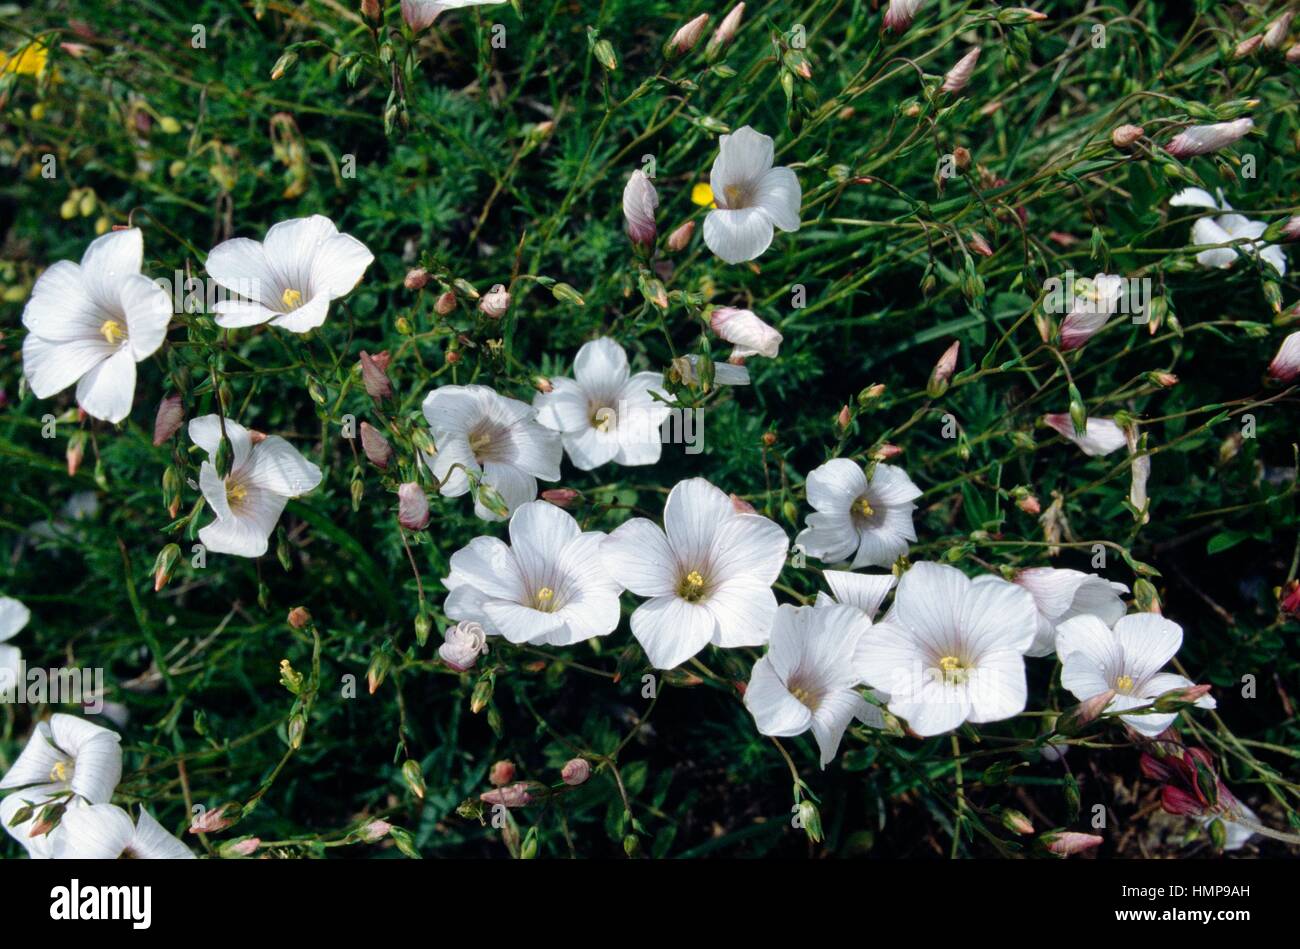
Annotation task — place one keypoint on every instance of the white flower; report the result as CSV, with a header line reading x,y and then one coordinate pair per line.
x,y
290,277
1223,230
605,413
91,323
67,754
1127,658
807,679
751,195
420,14
639,202
899,15
870,521
751,336
1060,594
1100,436
494,437
13,617
708,574
1095,302
951,650
249,500
547,586
106,832
463,644
1203,139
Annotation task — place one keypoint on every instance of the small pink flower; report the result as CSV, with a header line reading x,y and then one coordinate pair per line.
x,y
463,644
576,771
412,507
639,202
900,14
516,795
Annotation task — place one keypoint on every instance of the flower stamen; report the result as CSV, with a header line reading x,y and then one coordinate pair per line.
x,y
113,332
691,588
1124,684
292,299
954,673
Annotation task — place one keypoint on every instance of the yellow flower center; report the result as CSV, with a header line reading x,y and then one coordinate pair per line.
x,y
61,772
808,698
112,331
602,420
1124,684
702,195
954,673
235,493
691,588
545,599
862,507
291,299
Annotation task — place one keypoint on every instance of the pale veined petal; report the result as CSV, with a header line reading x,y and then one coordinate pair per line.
x,y
108,261
248,532
1149,641
1084,676
744,157
51,367
205,431
834,486
744,610
638,556
866,591
96,751
99,832
36,763
1206,231
514,485
291,247
564,408
539,532
738,236
339,265
1194,198
828,537
601,368
521,624
277,466
776,712
487,564
151,841
60,307
693,515
780,196
240,266
305,318
833,715
236,314
108,389
671,630
148,310
591,448
450,464
997,686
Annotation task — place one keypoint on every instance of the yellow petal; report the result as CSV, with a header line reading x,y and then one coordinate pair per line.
x,y
702,195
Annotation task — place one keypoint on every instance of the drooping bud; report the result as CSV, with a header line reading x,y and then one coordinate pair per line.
x,y
979,245
241,847
482,694
502,773
168,419
1179,802
413,777
445,304
844,417
575,771
943,370
1203,139
679,238
380,663
1248,46
495,303
374,375
1125,136
376,446
886,451
516,795
684,40
1275,35
164,564
1069,842
75,451
375,831
639,202
956,78
749,335
1176,699
1017,822
810,819
1074,720
562,497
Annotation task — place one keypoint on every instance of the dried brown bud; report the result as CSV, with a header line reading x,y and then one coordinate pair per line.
x,y
374,375
416,279
299,617
1124,136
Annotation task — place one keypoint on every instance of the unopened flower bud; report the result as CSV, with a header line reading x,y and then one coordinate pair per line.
x,y
575,771
1275,35
380,663
502,773
299,617
1017,822
1074,720
1203,139
844,417
75,451
639,202
374,375
375,831
1285,366
899,15
1177,699
1069,842
886,451
516,795
481,696
726,31
168,419
1248,47
562,497
412,507
1165,380
495,303
295,731
1125,136
445,304
376,446
236,849
684,40
810,819
943,370
960,74
679,238
413,777
164,564
217,819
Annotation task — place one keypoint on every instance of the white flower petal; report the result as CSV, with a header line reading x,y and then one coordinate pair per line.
x,y
670,630
866,591
1149,641
50,367
780,197
108,389
13,617
277,466
776,712
738,236
638,556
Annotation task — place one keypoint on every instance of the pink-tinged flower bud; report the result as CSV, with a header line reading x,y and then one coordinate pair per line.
x,y
1203,139
686,37
168,419
1175,699
1153,768
412,507
1180,803
164,564
1165,380
1290,232
1275,35
370,9
886,452
562,497
1293,54
416,279
445,304
244,847
750,335
943,370
1017,822
516,795
979,245
639,202
462,645
1125,136
899,15
216,819
1029,504
495,303
420,14
1289,599
1248,47
374,375
1070,842
1286,364
375,831
844,417
727,29
576,771
376,446
679,238
299,617
1085,713
1015,16
741,506
502,773
957,77
75,451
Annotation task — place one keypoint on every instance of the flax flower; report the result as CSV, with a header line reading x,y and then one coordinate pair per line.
x,y
65,754
752,197
90,323
707,574
1060,594
868,520
1101,436
1224,229
248,501
420,14
106,832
